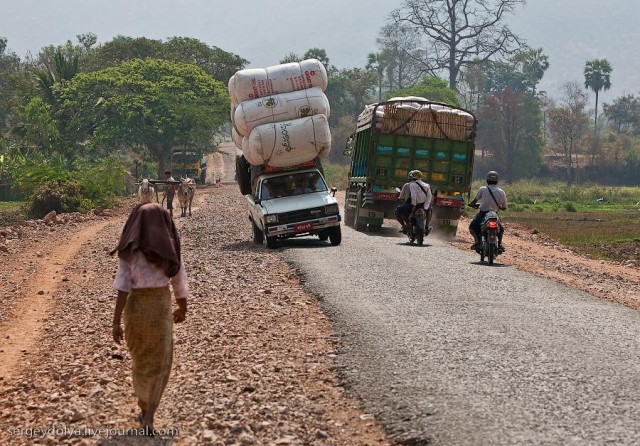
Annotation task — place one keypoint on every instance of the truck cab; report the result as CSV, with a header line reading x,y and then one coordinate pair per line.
x,y
292,203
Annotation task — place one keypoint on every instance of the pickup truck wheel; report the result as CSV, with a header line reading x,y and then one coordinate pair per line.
x,y
324,235
335,235
258,235
271,242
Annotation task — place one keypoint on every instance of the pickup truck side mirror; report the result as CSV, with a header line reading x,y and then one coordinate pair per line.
x,y
333,191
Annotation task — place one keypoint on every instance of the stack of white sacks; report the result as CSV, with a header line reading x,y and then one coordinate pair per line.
x,y
280,113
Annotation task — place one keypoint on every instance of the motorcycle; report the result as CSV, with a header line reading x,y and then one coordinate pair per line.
x,y
489,246
418,229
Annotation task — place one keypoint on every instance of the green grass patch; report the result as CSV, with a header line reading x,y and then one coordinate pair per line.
x,y
601,221
336,175
602,234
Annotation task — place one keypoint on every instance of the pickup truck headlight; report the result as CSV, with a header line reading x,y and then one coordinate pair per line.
x,y
331,209
273,218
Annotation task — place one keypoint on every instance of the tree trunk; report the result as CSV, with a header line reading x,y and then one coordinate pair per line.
x,y
159,153
595,119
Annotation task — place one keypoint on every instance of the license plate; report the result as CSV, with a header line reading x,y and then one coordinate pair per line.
x,y
303,227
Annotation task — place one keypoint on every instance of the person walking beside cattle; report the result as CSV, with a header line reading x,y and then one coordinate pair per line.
x,y
149,259
169,191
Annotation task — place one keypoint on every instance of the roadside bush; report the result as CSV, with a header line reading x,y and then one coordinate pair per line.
x,y
59,196
336,175
569,207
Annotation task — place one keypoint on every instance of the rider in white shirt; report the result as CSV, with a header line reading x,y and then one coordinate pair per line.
x,y
415,194
491,198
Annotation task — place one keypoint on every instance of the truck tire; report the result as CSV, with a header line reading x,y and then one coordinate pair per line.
x,y
357,225
258,235
242,175
349,217
335,235
271,242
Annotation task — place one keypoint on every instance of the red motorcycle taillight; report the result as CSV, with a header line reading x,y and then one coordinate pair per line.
x,y
493,225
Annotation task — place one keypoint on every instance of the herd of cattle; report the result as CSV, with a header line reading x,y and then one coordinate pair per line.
x,y
185,192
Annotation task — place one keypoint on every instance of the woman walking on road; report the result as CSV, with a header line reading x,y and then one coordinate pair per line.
x,y
149,260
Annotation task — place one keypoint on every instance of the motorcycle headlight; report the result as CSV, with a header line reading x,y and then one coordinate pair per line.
x,y
273,218
331,209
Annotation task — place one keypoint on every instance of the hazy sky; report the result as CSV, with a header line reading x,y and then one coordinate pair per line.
x,y
263,32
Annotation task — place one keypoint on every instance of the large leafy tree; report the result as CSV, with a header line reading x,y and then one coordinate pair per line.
x,y
597,77
568,125
219,64
510,126
121,49
10,77
349,90
532,63
623,114
459,33
153,105
432,88
400,55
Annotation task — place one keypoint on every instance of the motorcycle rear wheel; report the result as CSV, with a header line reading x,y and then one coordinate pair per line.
x,y
492,253
419,236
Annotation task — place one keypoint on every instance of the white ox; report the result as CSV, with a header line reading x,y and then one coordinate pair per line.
x,y
186,191
146,192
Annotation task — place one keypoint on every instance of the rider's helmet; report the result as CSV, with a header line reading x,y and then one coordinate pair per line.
x,y
415,174
492,177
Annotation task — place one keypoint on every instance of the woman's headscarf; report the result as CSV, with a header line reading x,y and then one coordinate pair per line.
x,y
151,230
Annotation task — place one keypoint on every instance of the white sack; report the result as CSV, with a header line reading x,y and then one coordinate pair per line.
x,y
287,143
253,83
280,107
232,91
236,138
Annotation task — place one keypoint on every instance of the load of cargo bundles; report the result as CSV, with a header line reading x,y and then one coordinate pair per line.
x,y
417,116
280,113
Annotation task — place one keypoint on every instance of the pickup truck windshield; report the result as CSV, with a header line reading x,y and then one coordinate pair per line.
x,y
293,184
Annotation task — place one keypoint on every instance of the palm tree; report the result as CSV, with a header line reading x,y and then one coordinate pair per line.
x,y
597,73
375,61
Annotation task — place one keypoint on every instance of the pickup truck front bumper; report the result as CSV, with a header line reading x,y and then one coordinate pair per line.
x,y
302,227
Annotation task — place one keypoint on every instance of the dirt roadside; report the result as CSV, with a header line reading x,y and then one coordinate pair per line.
x,y
253,363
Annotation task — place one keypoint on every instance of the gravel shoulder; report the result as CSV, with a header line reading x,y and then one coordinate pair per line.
x,y
253,362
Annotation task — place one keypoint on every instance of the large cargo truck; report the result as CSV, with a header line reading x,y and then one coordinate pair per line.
x,y
397,136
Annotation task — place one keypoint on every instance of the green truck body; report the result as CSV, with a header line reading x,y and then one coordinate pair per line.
x,y
397,136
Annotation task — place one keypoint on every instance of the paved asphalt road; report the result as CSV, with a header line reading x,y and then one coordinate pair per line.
x,y
447,351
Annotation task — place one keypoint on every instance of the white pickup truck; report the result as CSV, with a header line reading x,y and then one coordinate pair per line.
x,y
292,203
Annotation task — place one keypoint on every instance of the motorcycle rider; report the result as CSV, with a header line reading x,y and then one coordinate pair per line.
x,y
491,198
416,193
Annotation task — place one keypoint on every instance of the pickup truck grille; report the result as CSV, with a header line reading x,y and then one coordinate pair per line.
x,y
301,215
